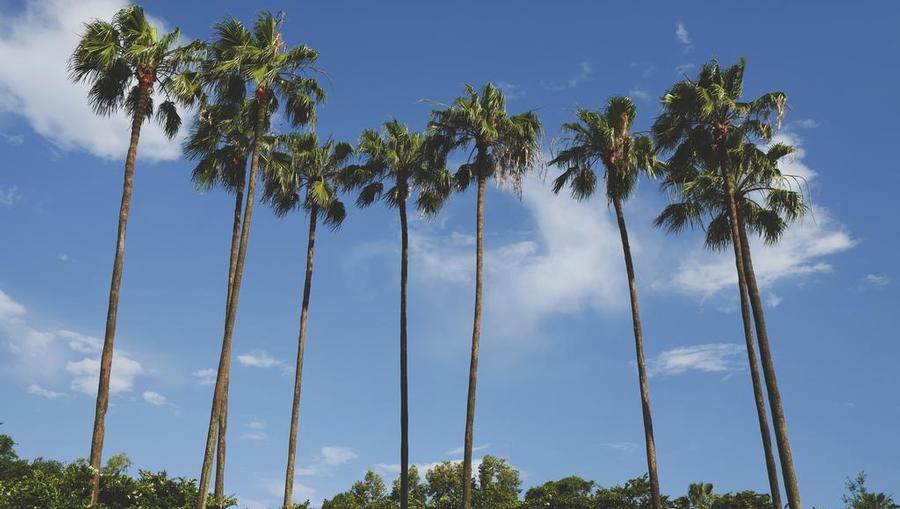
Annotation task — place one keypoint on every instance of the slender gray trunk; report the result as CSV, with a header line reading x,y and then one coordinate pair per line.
x,y
404,382
223,415
791,485
641,362
298,372
476,335
106,356
761,413
224,368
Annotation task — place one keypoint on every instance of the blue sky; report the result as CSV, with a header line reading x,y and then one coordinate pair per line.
x,y
557,389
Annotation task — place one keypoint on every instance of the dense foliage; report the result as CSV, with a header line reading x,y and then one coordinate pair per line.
x,y
48,484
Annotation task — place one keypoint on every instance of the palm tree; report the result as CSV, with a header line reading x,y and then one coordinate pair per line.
x,y
404,162
220,141
503,147
305,176
700,496
258,58
125,61
602,137
712,135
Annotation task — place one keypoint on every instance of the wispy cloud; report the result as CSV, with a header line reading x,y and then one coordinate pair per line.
x,y
13,139
639,93
623,447
154,398
512,91
9,196
329,458
684,37
206,376
459,450
262,359
255,436
714,358
683,70
807,123
37,390
773,300
877,280
584,74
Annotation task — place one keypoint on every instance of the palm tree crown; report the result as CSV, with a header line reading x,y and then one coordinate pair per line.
x,y
504,146
305,175
259,57
603,136
398,162
120,58
767,199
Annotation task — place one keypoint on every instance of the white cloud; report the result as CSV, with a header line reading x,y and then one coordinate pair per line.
x,y
14,139
710,358
773,300
63,257
573,261
623,447
260,359
255,436
639,93
801,251
87,374
256,424
584,73
877,280
329,458
10,309
683,69
460,450
205,376
46,32
81,343
684,37
806,123
154,398
512,91
37,390
9,196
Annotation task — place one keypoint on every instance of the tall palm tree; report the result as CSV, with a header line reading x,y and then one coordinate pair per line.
x,y
305,176
126,61
221,141
503,147
766,201
403,162
257,59
711,132
603,138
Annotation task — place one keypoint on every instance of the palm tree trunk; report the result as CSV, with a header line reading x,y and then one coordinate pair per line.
x,y
298,372
739,247
476,336
791,485
224,368
641,362
223,415
106,356
404,381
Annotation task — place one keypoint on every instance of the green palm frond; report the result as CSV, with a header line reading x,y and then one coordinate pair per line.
x,y
603,138
501,146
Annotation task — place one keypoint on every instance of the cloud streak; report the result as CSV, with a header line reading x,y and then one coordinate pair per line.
x,y
710,358
46,32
